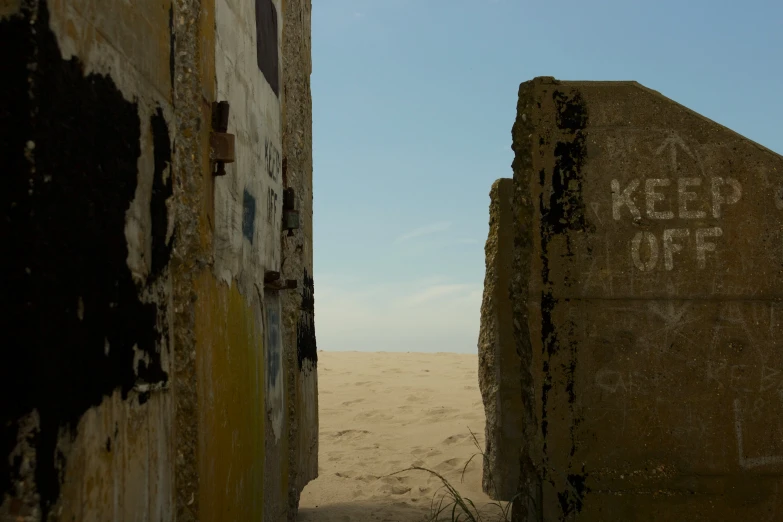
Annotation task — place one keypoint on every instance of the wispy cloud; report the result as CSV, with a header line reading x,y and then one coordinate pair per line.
x,y
426,314
436,292
427,230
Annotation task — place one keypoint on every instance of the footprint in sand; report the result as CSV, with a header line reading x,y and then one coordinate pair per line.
x,y
374,415
355,401
427,452
400,490
435,414
450,464
454,439
395,485
349,434
396,479
374,446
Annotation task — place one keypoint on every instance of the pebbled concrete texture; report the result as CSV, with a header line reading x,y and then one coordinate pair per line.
x,y
500,363
298,312
645,292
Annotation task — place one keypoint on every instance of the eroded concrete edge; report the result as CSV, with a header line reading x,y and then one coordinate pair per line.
x,y
502,396
193,80
298,306
528,501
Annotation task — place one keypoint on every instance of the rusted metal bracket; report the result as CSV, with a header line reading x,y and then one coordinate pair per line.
x,y
272,281
290,214
220,142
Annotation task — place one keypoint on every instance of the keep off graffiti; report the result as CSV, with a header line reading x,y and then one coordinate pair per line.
x,y
647,249
685,198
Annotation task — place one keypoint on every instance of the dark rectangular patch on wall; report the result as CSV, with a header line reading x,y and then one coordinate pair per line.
x,y
266,41
248,215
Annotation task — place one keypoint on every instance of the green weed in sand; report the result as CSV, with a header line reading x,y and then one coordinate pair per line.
x,y
448,505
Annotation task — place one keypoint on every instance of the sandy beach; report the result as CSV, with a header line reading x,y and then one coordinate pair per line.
x,y
384,412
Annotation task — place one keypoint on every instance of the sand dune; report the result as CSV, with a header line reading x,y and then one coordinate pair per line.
x,y
384,412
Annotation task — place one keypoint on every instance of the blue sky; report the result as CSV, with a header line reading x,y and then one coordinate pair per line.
x,y
413,102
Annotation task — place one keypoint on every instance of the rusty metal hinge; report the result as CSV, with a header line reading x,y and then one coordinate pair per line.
x,y
290,214
220,142
272,281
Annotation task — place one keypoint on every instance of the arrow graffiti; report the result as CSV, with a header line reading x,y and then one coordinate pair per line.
x,y
672,143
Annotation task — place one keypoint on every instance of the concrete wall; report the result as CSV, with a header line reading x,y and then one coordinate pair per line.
x,y
500,363
298,326
648,247
148,373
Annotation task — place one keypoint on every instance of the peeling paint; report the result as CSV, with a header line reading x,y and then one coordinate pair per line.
x,y
70,290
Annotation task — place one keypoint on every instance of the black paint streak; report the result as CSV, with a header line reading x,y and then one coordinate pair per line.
x,y
571,113
545,388
572,499
306,348
248,216
143,397
562,213
266,40
67,289
16,48
272,159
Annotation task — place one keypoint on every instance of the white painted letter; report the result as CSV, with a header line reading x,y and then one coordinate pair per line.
x,y
670,247
652,197
702,247
685,197
652,260
718,200
624,198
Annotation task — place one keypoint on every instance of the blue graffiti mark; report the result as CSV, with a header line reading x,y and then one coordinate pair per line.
x,y
248,216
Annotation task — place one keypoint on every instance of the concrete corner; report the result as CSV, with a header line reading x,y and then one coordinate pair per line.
x,y
645,295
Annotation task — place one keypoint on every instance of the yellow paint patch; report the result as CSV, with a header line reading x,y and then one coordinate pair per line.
x,y
229,360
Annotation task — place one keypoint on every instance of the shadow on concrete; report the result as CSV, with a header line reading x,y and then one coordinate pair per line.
x,y
365,511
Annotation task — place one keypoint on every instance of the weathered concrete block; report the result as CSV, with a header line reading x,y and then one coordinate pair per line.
x,y
150,373
648,265
499,361
87,131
